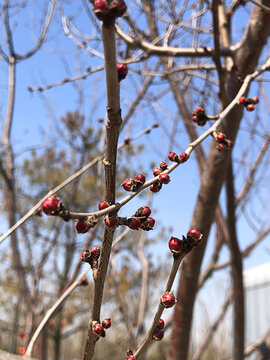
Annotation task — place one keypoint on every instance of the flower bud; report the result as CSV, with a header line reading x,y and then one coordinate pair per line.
x,y
134,223
122,71
183,157
158,334
103,205
157,171
172,156
156,187
148,224
97,329
51,205
221,137
128,184
160,324
168,300
82,226
140,178
86,256
163,165
106,323
143,211
175,245
164,178
195,235
220,147
95,252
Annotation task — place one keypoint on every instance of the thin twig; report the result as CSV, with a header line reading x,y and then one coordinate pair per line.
x,y
52,310
59,187
148,338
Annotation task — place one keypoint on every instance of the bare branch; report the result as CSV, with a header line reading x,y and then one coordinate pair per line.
x,y
43,33
53,309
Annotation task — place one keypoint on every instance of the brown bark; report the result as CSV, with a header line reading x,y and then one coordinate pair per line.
x,y
246,59
237,272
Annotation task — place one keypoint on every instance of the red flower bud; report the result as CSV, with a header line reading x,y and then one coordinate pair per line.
x,y
242,100
134,223
195,119
86,256
158,334
220,147
140,178
194,236
130,357
168,299
95,252
157,171
163,165
103,205
160,324
183,157
172,156
221,137
143,211
199,110
51,205
148,224
97,329
106,323
164,178
156,187
101,9
122,69
82,226
255,99
118,8
175,245
250,107
128,184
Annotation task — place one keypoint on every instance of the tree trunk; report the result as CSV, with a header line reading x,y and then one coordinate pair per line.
x,y
246,58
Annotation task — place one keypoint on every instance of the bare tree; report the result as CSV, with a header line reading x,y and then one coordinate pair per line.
x,y
191,55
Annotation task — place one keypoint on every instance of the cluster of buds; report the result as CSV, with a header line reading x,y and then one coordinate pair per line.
x,y
140,220
108,10
222,141
187,243
111,220
168,299
122,71
91,256
159,332
99,329
163,178
133,184
179,159
249,103
199,116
